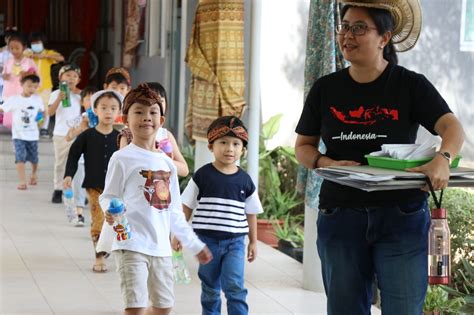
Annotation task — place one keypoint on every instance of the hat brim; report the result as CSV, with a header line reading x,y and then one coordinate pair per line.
x,y
96,95
407,16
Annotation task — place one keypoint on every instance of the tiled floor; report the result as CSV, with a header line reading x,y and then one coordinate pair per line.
x,y
46,264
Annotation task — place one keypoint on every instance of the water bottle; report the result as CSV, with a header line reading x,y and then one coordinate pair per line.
x,y
63,87
69,205
121,225
439,248
39,117
166,146
180,271
93,119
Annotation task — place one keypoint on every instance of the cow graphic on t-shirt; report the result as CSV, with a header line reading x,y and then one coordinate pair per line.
x,y
365,116
157,188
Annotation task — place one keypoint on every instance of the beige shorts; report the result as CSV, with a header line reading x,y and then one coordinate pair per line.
x,y
145,278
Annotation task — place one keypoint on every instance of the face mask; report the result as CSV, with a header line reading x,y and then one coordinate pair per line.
x,y
37,48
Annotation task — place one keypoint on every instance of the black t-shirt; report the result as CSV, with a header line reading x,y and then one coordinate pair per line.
x,y
354,119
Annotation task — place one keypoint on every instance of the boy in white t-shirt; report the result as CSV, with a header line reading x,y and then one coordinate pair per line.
x,y
145,179
27,112
66,117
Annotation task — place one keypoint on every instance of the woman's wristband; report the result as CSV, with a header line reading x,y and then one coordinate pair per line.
x,y
315,164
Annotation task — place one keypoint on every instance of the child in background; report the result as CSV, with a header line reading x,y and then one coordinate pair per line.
x,y
66,117
79,193
225,204
12,70
27,110
43,59
118,79
97,144
145,179
5,54
163,137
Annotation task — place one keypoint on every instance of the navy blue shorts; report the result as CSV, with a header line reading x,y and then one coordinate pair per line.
x,y
26,151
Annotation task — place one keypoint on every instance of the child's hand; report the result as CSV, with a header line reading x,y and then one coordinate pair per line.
x,y
61,96
176,244
204,256
6,76
109,218
252,251
67,182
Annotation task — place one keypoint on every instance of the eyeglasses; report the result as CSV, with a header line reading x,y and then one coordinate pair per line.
x,y
356,29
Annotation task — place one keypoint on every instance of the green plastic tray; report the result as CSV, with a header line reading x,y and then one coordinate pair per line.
x,y
396,164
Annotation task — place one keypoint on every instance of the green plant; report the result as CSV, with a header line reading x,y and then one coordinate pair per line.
x,y
459,205
437,300
290,230
188,154
277,169
467,294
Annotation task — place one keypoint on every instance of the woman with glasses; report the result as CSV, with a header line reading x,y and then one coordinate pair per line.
x,y
374,101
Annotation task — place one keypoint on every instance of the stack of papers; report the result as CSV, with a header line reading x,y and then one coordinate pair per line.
x,y
407,151
369,178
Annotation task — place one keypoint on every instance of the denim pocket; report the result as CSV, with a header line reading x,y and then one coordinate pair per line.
x,y
412,209
328,212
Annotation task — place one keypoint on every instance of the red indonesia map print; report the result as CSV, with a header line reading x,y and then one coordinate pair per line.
x,y
157,188
365,116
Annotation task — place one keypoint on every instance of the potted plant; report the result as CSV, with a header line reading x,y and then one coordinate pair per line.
x,y
437,302
277,168
467,292
290,236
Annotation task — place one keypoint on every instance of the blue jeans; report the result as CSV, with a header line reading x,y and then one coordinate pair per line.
x,y
226,272
357,244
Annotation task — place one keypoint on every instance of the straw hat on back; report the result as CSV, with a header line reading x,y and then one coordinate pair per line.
x,y
406,15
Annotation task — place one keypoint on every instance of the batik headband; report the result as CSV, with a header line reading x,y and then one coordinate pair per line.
x,y
122,71
227,126
67,68
142,94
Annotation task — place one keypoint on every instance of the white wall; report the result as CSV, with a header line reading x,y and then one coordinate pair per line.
x,y
283,49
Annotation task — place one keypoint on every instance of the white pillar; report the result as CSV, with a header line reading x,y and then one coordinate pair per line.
x,y
254,93
312,277
182,72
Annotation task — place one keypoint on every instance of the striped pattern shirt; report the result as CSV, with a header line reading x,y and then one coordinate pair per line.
x,y
221,202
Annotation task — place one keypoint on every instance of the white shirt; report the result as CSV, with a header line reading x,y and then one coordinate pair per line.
x,y
24,111
147,183
66,117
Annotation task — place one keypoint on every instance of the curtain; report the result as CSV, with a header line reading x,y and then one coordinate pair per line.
x,y
34,15
133,15
215,56
322,58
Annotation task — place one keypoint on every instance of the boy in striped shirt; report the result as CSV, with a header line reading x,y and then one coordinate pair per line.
x,y
225,204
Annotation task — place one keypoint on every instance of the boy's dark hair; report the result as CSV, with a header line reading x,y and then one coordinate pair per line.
x,y
88,90
108,94
158,88
10,32
144,95
230,126
33,77
37,36
117,78
18,37
119,75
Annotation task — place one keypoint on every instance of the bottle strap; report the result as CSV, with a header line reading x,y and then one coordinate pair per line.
x,y
433,194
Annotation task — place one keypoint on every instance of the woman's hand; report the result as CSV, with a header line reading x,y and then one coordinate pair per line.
x,y
437,170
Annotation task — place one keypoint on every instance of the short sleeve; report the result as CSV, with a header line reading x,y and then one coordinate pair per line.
x,y
253,204
309,123
9,104
52,97
114,183
189,196
428,105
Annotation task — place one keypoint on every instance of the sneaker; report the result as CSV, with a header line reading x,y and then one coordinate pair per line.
x,y
79,221
57,196
44,133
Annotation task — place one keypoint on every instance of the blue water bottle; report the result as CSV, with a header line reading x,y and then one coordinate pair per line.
x,y
69,204
121,225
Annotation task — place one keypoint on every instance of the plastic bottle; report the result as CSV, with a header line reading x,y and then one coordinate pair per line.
x,y
439,248
39,117
180,271
166,146
69,205
63,87
121,225
93,119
